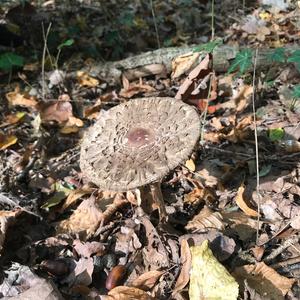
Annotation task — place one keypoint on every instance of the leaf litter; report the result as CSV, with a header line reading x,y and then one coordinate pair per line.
x,y
62,237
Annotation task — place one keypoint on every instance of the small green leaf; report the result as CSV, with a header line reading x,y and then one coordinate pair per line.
x,y
265,170
296,91
278,55
276,134
60,194
66,43
242,62
208,47
295,58
9,59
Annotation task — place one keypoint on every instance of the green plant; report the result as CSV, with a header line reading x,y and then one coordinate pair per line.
x,y
9,60
208,47
66,43
296,96
241,62
277,56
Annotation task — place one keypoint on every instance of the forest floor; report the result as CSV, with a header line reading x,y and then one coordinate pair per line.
x,y
61,237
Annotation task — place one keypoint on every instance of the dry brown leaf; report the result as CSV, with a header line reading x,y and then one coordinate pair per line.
x,y
265,280
186,263
59,111
89,248
183,63
135,89
147,280
17,98
84,220
7,218
13,118
190,165
206,219
7,140
72,126
128,293
85,80
192,81
75,195
242,204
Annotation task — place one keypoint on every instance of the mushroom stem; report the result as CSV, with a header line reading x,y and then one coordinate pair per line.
x,y
158,198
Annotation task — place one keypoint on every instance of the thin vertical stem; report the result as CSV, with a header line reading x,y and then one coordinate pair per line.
x,y
212,19
155,23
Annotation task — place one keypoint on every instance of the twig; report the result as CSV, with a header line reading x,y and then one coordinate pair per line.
x,y
45,36
287,243
212,19
256,147
155,24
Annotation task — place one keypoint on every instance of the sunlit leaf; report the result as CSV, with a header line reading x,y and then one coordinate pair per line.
x,y
276,134
242,62
208,47
66,43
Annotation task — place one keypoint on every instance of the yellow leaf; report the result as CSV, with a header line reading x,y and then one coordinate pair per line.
x,y
85,80
190,165
6,141
210,279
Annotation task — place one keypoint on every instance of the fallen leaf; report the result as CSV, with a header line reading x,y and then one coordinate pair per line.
x,y
128,293
135,89
265,280
89,248
17,98
84,220
59,111
74,195
7,140
183,63
85,80
206,219
7,218
147,280
241,202
13,118
72,126
209,279
186,264
190,165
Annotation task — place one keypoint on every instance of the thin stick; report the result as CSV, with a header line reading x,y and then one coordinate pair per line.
x,y
155,24
256,147
45,36
212,19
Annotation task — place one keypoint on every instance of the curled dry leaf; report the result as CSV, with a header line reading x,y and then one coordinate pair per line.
x,y
74,195
210,279
206,219
186,263
17,98
84,220
192,81
72,126
89,248
265,280
7,140
128,293
190,165
241,202
147,280
183,63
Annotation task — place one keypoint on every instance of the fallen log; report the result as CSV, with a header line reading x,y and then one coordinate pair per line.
x,y
158,61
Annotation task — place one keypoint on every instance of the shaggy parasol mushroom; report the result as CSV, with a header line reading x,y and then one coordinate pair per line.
x,y
138,143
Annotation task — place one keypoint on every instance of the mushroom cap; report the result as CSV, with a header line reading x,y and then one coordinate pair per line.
x,y
138,142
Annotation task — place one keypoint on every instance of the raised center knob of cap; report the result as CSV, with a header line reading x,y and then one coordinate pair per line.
x,y
137,137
